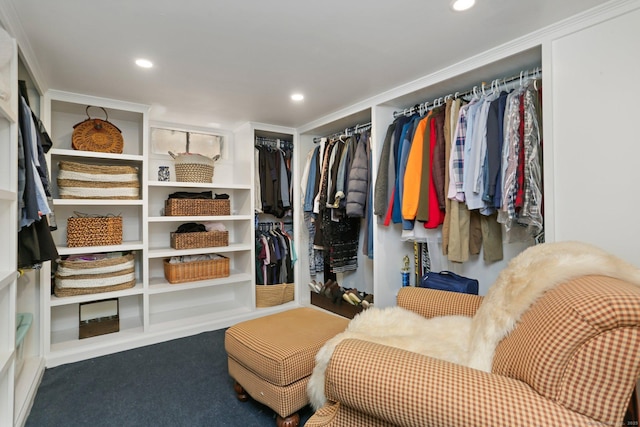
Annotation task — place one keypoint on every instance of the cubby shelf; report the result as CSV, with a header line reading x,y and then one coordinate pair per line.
x,y
146,232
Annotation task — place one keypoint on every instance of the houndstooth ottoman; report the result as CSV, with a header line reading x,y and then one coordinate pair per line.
x,y
271,358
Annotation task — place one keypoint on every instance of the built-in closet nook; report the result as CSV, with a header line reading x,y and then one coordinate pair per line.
x,y
275,252
344,198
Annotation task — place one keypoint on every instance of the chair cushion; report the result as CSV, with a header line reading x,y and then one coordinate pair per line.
x,y
581,334
280,348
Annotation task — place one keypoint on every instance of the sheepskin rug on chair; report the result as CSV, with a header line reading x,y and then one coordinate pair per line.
x,y
471,341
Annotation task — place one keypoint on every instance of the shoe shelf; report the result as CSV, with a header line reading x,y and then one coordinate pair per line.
x,y
339,306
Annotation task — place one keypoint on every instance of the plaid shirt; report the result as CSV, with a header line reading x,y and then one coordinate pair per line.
x,y
456,161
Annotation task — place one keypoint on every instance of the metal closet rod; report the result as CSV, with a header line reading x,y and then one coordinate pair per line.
x,y
476,90
347,132
274,143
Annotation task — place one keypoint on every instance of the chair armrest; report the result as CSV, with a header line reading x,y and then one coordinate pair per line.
x,y
433,303
409,389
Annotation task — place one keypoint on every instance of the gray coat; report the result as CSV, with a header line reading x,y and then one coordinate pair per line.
x,y
358,187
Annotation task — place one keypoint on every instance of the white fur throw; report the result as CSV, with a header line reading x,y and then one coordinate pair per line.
x,y
472,341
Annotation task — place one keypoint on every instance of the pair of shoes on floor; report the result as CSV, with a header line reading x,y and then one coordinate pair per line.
x,y
331,289
315,287
355,297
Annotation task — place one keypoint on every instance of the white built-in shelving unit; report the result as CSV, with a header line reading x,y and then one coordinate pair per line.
x,y
21,367
8,228
153,310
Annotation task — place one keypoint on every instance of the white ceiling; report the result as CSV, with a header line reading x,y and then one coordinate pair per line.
x,y
232,61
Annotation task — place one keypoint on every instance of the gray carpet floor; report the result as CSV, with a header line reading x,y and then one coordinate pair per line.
x,y
182,382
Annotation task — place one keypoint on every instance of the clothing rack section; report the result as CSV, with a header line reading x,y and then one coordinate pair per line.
x,y
497,85
273,177
466,170
275,253
274,143
336,201
359,128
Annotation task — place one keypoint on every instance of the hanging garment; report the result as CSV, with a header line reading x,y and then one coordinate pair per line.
x,y
274,182
344,170
35,243
531,213
439,166
510,156
456,162
393,204
451,111
381,192
475,150
358,187
435,215
403,155
257,183
495,121
413,172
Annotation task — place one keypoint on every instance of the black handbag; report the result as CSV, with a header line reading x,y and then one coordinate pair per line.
x,y
448,281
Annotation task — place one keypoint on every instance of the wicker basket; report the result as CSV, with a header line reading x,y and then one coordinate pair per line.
x,y
89,181
196,270
201,239
94,231
197,207
82,277
191,167
271,295
97,135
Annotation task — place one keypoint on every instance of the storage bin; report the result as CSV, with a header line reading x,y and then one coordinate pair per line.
x,y
94,231
23,324
271,295
98,318
200,239
192,167
92,274
91,181
197,207
196,270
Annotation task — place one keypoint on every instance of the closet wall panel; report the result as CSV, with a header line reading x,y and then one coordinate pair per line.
x,y
595,135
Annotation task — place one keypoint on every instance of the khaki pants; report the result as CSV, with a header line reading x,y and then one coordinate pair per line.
x,y
469,231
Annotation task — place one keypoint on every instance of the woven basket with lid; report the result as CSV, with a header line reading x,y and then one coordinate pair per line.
x,y
192,167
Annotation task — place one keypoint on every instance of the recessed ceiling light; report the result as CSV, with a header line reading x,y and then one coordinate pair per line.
x,y
297,97
460,5
144,63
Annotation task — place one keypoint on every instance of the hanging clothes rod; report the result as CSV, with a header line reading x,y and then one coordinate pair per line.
x,y
274,143
347,132
496,84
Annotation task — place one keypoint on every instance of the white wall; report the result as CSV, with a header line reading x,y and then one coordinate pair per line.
x,y
596,144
